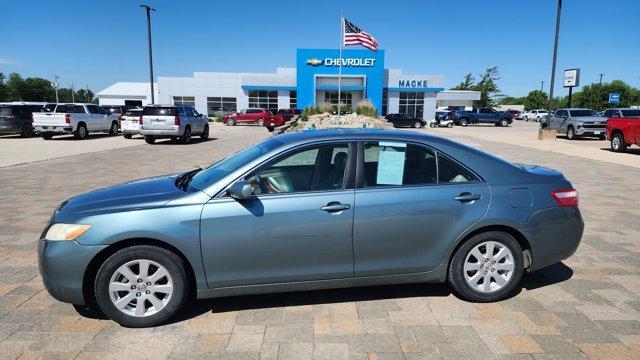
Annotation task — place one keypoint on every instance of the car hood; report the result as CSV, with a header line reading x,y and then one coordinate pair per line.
x,y
132,195
591,119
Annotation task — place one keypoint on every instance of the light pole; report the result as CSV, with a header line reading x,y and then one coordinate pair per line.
x,y
541,85
555,55
601,75
55,86
73,93
149,10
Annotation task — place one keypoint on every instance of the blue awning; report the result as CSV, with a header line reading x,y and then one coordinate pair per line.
x,y
410,89
268,87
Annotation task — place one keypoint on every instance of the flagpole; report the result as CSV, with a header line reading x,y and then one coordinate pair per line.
x,y
340,62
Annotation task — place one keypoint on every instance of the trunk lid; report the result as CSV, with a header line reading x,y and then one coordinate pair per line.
x,y
159,117
48,119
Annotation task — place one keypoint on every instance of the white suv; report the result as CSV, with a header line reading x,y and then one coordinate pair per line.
x,y
535,115
172,121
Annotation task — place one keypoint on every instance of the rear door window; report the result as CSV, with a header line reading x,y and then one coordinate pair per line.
x,y
159,111
5,111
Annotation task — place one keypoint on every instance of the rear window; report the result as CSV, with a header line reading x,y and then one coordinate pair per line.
x,y
70,108
133,113
629,113
113,110
161,111
575,113
49,107
5,111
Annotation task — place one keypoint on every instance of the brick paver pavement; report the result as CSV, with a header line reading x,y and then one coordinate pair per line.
x,y
588,306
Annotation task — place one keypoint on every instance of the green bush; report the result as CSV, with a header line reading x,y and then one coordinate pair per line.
x,y
366,108
324,107
304,117
344,109
309,111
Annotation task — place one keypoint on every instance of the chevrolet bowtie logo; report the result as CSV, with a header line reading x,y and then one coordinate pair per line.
x,y
314,62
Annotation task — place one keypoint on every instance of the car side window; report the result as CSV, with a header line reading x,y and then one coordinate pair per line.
x,y
398,163
451,172
319,168
77,109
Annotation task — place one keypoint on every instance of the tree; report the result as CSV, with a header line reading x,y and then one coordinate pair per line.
x,y
467,83
84,96
38,89
510,100
15,87
536,99
596,95
3,88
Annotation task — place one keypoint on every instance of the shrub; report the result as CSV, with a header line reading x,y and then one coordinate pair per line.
x,y
344,109
304,117
309,111
324,107
366,108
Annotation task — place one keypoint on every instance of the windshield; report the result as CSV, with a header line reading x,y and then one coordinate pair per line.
x,y
133,113
629,113
229,164
587,112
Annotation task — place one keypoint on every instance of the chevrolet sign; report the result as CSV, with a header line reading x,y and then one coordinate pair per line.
x,y
354,62
314,62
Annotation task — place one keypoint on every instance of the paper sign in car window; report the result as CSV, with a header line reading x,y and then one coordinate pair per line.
x,y
390,163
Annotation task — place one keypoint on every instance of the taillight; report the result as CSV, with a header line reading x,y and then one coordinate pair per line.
x,y
566,197
140,120
177,120
67,118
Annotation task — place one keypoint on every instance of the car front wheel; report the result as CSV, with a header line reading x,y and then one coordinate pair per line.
x,y
504,122
571,133
205,133
417,125
231,122
141,286
488,267
617,143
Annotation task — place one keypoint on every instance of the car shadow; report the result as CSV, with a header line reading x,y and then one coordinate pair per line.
x,y
633,151
72,138
195,140
193,307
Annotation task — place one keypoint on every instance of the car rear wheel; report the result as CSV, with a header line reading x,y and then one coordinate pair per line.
x,y
81,132
504,122
260,122
26,131
449,125
186,136
113,130
46,135
141,286
571,133
231,122
417,125
127,136
205,133
617,143
150,139
464,122
488,267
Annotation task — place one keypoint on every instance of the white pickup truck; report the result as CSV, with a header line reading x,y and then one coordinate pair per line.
x,y
77,119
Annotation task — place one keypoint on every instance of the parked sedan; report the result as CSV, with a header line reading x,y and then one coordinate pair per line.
x,y
311,210
400,120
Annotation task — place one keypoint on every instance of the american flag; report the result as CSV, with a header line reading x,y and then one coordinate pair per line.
x,y
353,35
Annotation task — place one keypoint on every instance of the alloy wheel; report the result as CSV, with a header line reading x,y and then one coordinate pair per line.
x,y
140,288
488,267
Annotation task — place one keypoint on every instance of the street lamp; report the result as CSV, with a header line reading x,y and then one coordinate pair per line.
x,y
541,85
555,55
601,75
149,10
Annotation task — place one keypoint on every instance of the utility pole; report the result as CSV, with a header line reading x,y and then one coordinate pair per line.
x,y
601,75
149,10
73,93
86,94
541,85
555,56
55,86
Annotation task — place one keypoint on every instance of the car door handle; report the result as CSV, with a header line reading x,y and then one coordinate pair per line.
x,y
335,207
467,197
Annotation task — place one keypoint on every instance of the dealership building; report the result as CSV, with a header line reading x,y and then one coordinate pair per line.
x,y
314,80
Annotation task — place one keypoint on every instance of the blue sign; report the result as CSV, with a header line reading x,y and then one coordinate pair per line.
x,y
614,98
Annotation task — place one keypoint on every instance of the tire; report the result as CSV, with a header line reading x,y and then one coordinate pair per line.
x,y
186,136
26,131
113,130
81,132
260,122
544,126
205,133
464,122
504,122
617,143
149,139
602,136
46,135
449,125
461,281
417,125
144,283
571,133
231,122
431,125
526,118
127,136
538,119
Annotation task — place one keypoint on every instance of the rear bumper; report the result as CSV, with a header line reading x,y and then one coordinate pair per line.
x,y
62,266
554,236
176,130
62,129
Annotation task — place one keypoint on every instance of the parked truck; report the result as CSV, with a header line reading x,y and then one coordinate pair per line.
x,y
481,115
77,119
575,123
623,130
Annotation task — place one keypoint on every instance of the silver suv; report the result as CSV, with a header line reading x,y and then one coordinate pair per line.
x,y
174,122
575,123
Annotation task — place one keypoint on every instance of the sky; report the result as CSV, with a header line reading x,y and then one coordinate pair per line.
x,y
99,42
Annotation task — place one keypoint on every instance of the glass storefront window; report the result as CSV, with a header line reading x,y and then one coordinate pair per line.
x,y
218,106
264,99
293,99
412,103
332,97
184,100
385,102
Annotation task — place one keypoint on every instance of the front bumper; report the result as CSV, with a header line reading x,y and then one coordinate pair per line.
x,y
62,266
590,131
62,129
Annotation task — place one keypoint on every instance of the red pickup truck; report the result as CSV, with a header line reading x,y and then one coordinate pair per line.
x,y
624,131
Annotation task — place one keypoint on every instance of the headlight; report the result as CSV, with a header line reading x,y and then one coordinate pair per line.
x,y
63,232
579,124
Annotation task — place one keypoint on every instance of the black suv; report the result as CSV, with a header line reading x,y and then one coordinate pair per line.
x,y
405,120
288,114
16,118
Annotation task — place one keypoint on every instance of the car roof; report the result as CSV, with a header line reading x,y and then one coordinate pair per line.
x,y
350,133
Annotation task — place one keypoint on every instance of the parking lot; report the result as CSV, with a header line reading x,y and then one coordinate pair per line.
x,y
587,306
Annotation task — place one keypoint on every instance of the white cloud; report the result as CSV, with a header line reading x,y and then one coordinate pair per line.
x,y
7,61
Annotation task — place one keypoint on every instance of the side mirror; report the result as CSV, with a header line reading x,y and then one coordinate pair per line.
x,y
241,190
